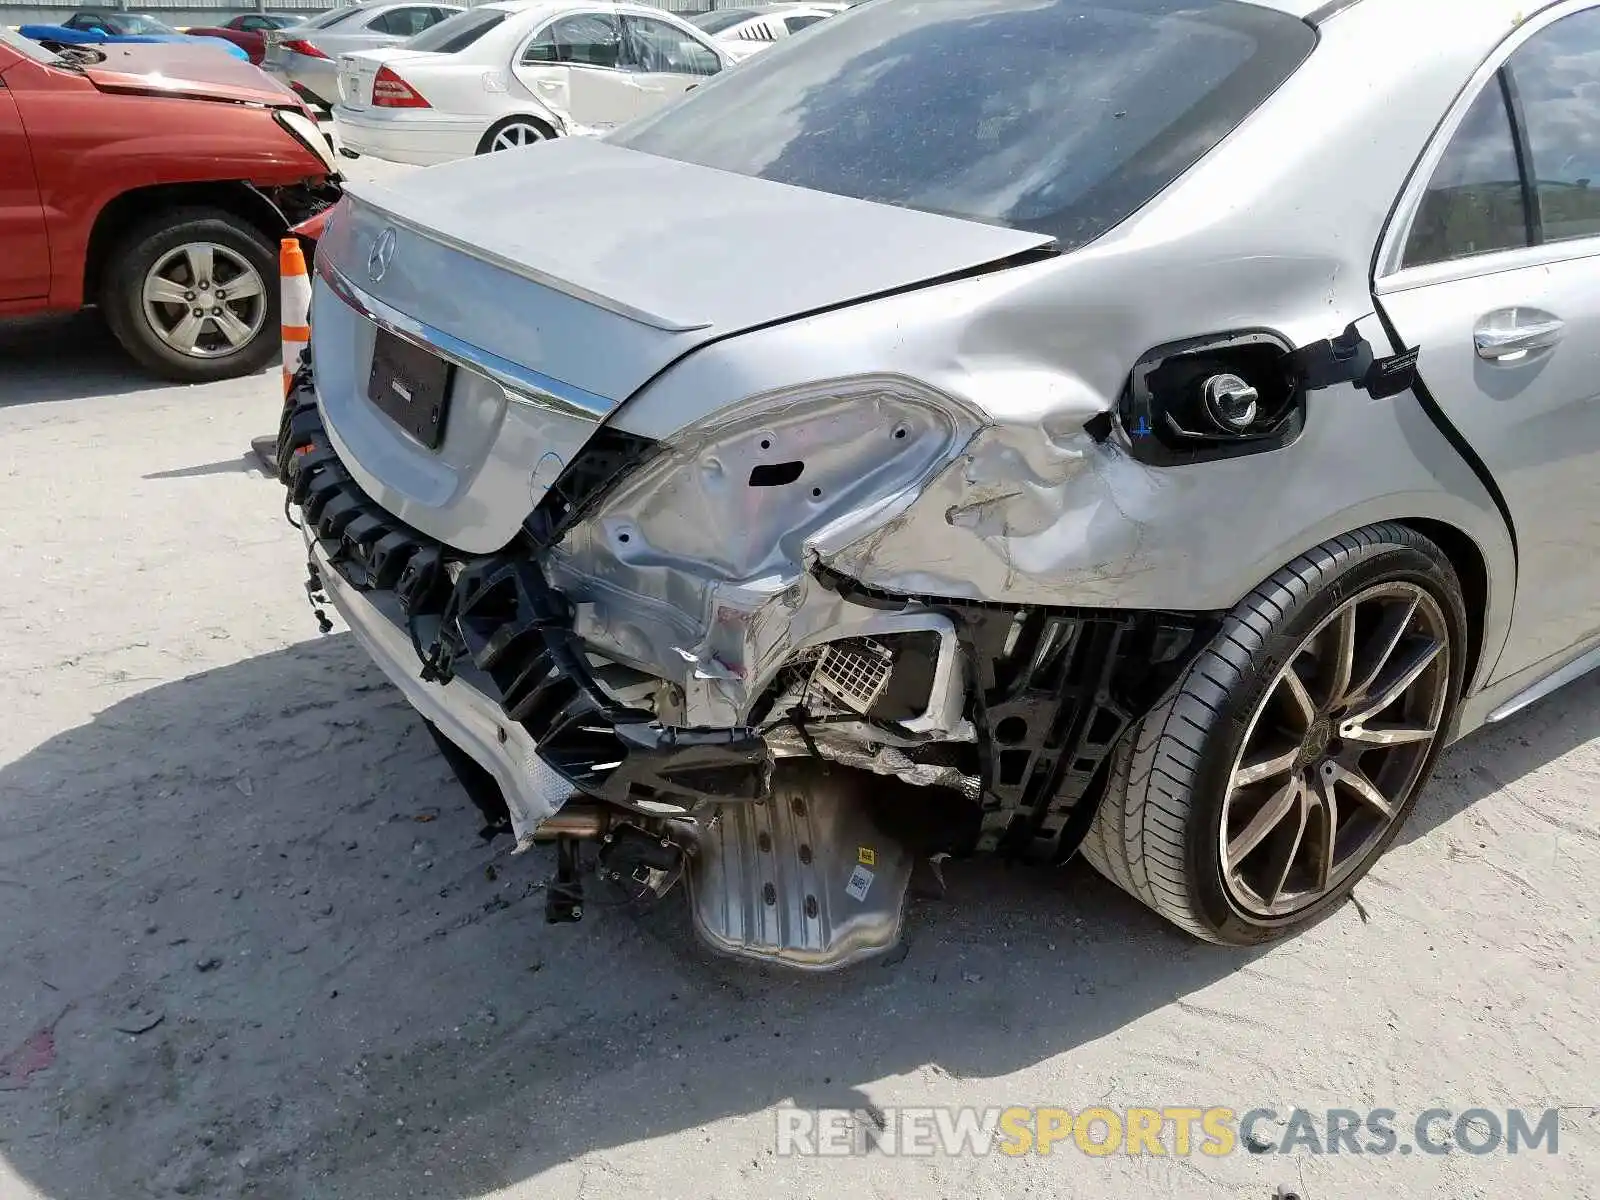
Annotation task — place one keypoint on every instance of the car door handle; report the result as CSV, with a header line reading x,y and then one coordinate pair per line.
x,y
1497,342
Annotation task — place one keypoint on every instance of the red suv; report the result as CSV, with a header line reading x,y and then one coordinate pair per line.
x,y
154,181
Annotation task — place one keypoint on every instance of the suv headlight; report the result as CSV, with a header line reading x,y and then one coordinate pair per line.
x,y
304,130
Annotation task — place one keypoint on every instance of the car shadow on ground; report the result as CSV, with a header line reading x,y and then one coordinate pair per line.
x,y
280,962
65,358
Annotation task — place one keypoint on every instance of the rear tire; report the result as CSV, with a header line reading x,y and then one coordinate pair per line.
x,y
510,133
170,267
1251,801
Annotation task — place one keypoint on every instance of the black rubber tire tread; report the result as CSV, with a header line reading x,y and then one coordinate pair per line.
x,y
121,302
1140,836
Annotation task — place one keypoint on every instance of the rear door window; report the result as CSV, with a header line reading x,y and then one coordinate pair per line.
x,y
1474,202
1059,116
660,47
587,39
1555,79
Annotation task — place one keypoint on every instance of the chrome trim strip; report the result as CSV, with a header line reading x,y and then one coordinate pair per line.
x,y
366,195
522,385
1557,679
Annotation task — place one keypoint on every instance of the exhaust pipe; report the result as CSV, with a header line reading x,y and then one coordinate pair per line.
x,y
575,820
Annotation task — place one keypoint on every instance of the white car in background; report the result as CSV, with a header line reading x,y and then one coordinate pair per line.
x,y
304,55
508,74
742,31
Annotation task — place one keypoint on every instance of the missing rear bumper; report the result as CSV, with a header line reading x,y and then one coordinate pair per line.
x,y
1017,708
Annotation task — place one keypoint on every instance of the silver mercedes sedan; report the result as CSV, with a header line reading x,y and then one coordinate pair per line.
x,y
305,57
1165,427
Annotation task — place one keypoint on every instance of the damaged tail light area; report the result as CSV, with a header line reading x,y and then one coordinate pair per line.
x,y
689,571
663,634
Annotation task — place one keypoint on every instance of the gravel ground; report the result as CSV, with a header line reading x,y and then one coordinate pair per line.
x,y
252,944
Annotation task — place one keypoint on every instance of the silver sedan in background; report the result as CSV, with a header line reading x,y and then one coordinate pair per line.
x,y
305,56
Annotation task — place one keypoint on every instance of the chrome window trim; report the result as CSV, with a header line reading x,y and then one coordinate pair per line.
x,y
1494,262
521,385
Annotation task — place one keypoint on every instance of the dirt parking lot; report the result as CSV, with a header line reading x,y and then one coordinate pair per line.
x,y
252,944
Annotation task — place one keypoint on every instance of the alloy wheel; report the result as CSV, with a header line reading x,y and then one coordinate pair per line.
x,y
1335,749
514,135
204,300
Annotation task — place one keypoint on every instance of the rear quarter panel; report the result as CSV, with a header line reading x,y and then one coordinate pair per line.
x,y
90,147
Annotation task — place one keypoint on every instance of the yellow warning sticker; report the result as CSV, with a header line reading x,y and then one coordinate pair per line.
x,y
867,856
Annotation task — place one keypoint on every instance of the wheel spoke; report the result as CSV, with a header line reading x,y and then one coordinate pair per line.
x,y
185,335
1291,832
1268,817
198,257
1388,735
233,329
1337,746
1327,804
1365,790
246,286
1342,653
1299,698
1404,666
160,290
1380,645
1260,767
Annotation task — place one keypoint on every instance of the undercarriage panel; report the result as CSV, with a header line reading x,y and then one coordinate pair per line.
x,y
807,877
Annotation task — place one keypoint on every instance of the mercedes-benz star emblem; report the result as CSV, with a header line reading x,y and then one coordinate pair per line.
x,y
382,254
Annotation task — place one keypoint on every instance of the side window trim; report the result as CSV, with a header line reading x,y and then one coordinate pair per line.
x,y
1519,146
1391,275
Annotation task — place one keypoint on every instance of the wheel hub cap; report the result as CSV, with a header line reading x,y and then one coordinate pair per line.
x,y
231,295
1334,750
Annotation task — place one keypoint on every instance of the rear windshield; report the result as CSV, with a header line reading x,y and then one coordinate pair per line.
x,y
457,32
330,18
726,18
1056,116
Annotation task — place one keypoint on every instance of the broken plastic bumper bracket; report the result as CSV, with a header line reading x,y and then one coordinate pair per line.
x,y
499,611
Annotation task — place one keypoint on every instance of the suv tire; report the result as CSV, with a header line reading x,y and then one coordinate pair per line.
x,y
154,259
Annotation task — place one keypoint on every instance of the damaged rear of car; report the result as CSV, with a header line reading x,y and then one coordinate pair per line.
x,y
1069,399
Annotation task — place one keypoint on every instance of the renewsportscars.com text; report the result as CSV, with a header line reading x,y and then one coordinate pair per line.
x,y
1176,1131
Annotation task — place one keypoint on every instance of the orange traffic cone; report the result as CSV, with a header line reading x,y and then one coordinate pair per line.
x,y
295,289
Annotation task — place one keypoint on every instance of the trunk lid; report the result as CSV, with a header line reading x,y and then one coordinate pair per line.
x,y
197,72
534,268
